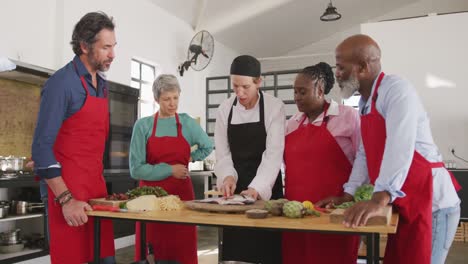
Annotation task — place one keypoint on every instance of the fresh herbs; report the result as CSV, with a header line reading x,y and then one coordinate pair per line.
x,y
363,193
146,190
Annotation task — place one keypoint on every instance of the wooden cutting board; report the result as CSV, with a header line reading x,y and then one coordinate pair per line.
x,y
383,217
218,208
103,201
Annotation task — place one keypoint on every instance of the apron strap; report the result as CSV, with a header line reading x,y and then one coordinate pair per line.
x,y
155,124
437,165
325,117
375,95
452,177
83,81
179,125
262,110
325,112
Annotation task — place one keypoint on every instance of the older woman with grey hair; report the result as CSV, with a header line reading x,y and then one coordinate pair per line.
x,y
160,151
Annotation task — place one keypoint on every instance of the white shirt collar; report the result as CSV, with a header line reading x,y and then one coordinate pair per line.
x,y
364,105
241,107
333,110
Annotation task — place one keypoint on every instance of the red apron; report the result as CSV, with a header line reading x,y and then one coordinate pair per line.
x,y
412,242
79,148
316,168
170,241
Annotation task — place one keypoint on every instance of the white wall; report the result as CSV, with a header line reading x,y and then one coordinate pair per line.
x,y
193,98
323,50
27,31
432,52
39,33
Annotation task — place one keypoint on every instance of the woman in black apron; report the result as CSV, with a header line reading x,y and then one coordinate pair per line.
x,y
247,143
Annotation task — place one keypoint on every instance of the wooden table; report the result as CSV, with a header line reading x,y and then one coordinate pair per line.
x,y
308,224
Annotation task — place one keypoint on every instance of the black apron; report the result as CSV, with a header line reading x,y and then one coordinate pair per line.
x,y
247,143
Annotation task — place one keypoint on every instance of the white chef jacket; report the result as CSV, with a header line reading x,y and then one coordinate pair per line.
x,y
272,157
408,129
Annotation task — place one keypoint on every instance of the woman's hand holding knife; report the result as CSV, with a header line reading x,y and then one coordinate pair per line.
x,y
229,186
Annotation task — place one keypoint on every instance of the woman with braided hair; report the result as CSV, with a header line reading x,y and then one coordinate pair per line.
x,y
320,146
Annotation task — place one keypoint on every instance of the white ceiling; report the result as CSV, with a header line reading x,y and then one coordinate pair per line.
x,y
269,28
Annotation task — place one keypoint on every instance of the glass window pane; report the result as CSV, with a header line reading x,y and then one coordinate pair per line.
x,y
268,81
290,109
270,92
216,98
146,109
147,92
286,79
286,94
212,112
135,69
211,127
135,84
147,73
221,84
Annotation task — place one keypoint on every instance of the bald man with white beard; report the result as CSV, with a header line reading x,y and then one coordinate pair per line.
x,y
398,156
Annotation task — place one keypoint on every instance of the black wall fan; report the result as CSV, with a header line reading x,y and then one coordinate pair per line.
x,y
200,52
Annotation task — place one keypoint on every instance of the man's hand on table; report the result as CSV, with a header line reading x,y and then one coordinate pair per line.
x,y
358,214
74,212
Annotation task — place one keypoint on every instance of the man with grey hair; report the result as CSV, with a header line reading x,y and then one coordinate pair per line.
x,y
69,140
160,150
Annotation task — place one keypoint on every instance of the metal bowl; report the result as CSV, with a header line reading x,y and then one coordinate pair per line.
x,y
11,248
10,237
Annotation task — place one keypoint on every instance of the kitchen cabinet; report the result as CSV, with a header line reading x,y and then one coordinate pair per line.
x,y
32,225
462,177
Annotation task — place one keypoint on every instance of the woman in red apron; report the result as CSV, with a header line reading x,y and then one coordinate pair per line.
x,y
317,166
172,154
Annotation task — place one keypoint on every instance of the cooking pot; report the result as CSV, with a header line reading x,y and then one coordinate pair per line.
x,y
208,165
23,207
10,237
4,210
11,164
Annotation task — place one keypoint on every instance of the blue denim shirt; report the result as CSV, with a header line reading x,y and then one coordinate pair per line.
x,y
62,96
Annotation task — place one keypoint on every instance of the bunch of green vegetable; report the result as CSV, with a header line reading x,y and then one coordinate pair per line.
x,y
363,193
146,190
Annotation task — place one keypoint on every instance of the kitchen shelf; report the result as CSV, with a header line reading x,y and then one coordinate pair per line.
x,y
19,217
22,255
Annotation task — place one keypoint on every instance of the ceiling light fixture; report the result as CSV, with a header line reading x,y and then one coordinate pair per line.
x,y
330,13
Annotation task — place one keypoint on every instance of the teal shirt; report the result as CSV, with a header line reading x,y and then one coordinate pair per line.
x,y
142,130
